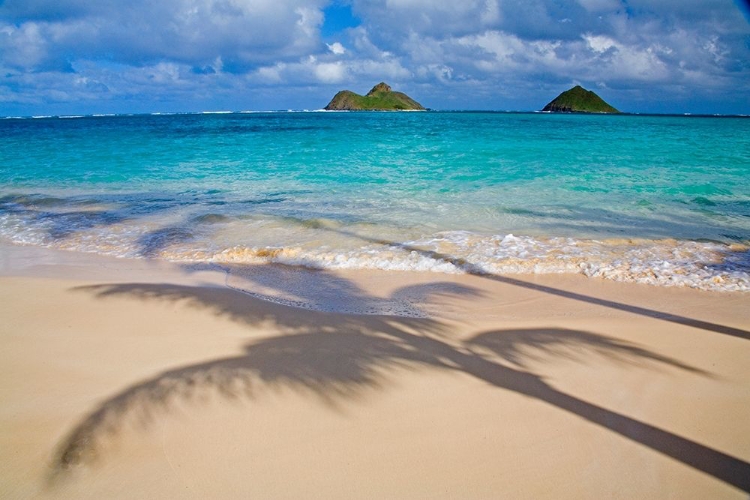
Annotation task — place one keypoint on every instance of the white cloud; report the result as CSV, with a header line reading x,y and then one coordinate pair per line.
x,y
491,12
312,69
24,46
336,48
330,72
164,72
68,50
599,43
271,74
242,33
438,72
369,70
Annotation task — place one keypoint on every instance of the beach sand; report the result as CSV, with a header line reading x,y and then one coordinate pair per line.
x,y
138,379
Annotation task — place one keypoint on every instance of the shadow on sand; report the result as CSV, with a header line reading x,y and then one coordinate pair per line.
x,y
341,358
472,269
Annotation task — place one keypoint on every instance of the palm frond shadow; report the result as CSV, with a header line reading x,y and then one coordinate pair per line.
x,y
342,358
333,367
474,270
324,291
519,347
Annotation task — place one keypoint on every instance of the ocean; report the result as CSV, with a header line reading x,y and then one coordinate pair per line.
x,y
663,200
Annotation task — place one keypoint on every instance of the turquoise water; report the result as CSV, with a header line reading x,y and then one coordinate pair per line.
x,y
654,199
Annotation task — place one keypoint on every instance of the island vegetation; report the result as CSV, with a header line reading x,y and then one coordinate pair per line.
x,y
579,100
380,98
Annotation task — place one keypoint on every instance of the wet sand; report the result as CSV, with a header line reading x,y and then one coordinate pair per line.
x,y
137,379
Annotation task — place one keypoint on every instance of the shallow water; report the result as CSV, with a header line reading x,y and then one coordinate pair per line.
x,y
654,199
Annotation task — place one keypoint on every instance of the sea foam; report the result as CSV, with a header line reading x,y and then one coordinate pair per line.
x,y
657,200
664,262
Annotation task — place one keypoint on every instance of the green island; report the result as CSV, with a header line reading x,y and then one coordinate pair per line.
x,y
380,98
579,100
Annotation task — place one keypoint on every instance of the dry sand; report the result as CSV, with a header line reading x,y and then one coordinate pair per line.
x,y
133,379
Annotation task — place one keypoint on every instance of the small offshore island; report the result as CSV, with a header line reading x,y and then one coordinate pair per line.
x,y
579,100
380,98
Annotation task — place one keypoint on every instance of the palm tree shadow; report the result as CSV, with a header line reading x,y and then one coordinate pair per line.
x,y
339,359
519,347
473,269
333,367
324,291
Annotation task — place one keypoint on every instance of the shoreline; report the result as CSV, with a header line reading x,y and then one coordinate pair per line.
x,y
125,378
701,265
631,201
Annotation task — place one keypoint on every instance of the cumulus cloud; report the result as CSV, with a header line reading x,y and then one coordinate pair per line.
x,y
325,70
502,52
678,49
139,32
336,48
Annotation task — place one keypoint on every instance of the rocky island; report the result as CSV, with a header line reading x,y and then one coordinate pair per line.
x,y
579,100
380,98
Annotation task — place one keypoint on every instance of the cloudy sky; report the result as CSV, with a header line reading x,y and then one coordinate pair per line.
x,y
133,56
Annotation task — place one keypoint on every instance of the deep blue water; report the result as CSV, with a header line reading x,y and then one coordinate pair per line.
x,y
658,199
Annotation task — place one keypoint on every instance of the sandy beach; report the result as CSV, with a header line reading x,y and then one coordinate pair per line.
x,y
139,379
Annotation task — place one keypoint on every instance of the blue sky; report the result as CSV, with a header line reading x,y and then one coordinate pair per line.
x,y
135,56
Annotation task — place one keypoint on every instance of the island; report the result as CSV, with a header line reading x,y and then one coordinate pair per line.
x,y
579,100
380,98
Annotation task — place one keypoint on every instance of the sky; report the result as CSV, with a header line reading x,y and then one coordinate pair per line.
x,y
142,56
